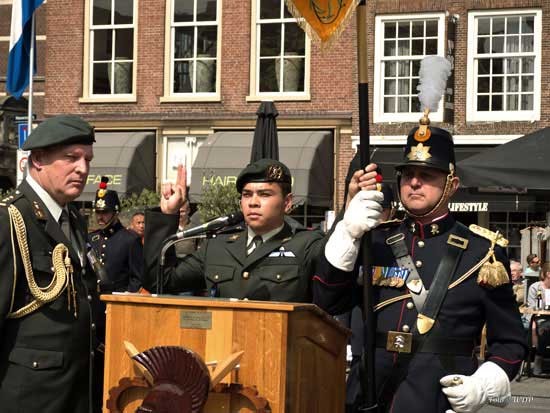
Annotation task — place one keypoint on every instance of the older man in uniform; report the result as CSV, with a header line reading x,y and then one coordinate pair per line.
x,y
47,293
436,284
119,250
267,261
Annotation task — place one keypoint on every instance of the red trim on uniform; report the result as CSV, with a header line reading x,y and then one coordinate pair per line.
x,y
505,360
317,278
421,229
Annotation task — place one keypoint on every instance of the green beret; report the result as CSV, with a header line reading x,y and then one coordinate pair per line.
x,y
60,130
264,170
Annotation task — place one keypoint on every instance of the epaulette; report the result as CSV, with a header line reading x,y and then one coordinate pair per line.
x,y
492,273
494,237
12,198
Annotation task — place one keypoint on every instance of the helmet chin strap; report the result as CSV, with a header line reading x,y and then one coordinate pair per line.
x,y
111,221
444,197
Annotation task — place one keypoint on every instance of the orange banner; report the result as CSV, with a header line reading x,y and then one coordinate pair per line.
x,y
323,18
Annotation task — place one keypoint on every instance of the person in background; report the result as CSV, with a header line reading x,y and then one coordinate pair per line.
x,y
536,299
47,327
137,224
118,249
268,260
533,266
518,282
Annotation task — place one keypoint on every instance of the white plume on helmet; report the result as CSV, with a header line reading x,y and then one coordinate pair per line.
x,y
434,72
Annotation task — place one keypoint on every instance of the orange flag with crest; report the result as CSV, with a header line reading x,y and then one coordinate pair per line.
x,y
322,19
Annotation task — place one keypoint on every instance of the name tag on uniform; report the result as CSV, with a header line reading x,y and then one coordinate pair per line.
x,y
389,276
282,253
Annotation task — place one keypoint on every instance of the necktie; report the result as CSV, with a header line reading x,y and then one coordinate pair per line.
x,y
255,243
65,224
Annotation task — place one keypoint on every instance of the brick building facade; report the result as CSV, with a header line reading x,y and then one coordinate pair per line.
x,y
499,90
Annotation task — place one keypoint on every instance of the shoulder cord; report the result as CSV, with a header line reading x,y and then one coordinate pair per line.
x,y
62,276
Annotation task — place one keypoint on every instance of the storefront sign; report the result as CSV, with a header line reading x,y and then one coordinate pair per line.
x,y
469,206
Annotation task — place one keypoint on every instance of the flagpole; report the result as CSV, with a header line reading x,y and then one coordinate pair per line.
x,y
31,73
368,382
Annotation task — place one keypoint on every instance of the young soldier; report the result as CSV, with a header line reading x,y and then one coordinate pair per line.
x,y
267,261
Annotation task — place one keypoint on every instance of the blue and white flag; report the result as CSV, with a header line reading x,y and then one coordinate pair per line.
x,y
20,45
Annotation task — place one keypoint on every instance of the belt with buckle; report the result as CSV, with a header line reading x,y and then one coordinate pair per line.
x,y
401,342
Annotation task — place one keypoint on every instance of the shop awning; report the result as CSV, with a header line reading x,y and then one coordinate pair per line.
x,y
308,154
465,200
127,158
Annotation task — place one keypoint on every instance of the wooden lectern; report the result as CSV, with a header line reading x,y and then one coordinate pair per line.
x,y
294,354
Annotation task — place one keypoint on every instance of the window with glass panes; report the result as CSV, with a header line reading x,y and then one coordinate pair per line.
x,y
505,63
401,44
509,224
281,49
194,46
112,47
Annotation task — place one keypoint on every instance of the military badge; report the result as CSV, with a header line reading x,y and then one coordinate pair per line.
x,y
275,173
100,203
419,153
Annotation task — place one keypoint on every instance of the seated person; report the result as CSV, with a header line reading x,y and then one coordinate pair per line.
x,y
269,260
536,299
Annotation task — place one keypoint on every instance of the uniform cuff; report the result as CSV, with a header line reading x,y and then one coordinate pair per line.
x,y
342,249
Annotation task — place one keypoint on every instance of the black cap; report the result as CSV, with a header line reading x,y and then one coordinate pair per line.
x,y
264,170
60,130
434,149
106,199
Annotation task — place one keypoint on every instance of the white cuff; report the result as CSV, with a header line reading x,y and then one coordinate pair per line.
x,y
342,249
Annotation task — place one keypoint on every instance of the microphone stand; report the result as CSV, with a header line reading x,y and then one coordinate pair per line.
x,y
169,242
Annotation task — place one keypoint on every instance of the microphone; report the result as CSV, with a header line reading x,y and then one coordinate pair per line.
x,y
103,282
213,225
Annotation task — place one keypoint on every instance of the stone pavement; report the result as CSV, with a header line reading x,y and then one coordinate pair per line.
x,y
530,394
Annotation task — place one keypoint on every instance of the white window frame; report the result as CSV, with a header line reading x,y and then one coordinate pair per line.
x,y
255,94
170,26
378,93
87,86
180,148
473,115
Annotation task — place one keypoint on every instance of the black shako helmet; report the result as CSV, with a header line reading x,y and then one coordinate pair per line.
x,y
106,199
429,147
433,148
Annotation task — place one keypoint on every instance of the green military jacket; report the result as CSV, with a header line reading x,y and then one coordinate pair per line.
x,y
45,356
281,269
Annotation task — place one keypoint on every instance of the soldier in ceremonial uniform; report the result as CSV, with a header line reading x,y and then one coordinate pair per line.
x,y
267,261
436,284
118,249
47,289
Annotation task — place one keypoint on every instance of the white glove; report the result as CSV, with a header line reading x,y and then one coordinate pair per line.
x,y
489,384
363,213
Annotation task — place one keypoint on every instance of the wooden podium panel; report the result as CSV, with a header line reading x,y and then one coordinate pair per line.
x,y
294,354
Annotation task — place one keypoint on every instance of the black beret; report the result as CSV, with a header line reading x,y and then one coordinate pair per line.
x,y
264,170
60,130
